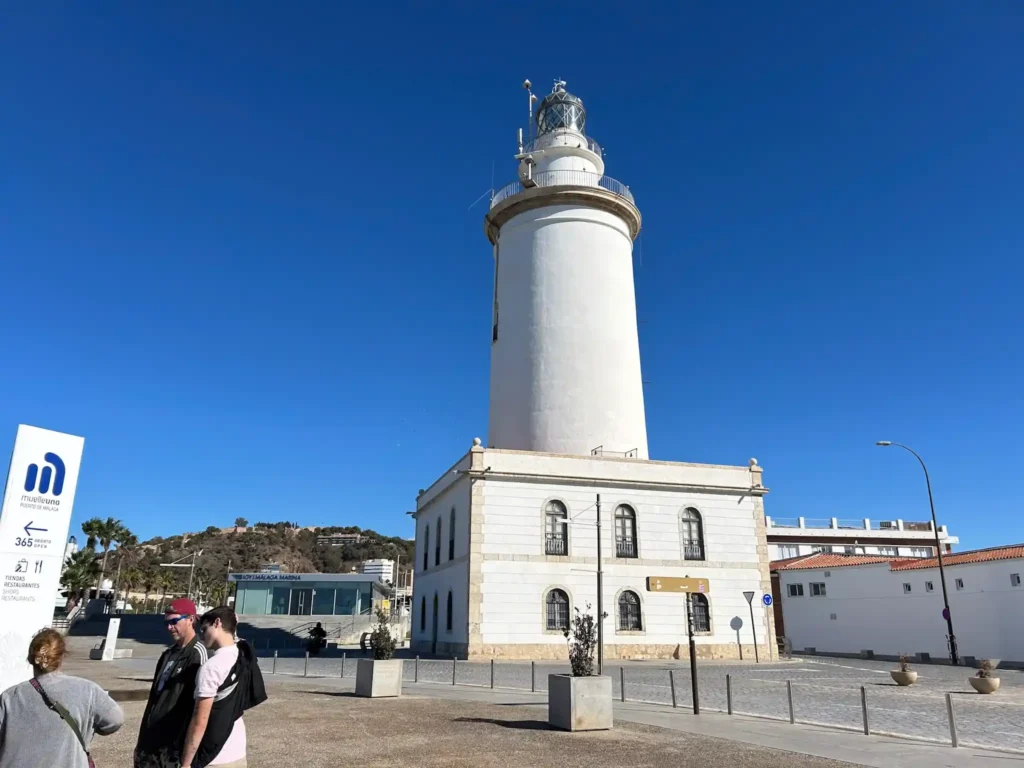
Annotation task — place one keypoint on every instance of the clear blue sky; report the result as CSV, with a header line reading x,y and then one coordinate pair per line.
x,y
237,256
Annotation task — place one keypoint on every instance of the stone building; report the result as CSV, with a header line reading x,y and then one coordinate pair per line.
x,y
507,538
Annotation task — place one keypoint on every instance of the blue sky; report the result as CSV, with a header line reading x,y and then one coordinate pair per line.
x,y
237,254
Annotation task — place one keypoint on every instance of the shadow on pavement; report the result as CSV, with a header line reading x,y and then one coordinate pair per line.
x,y
519,725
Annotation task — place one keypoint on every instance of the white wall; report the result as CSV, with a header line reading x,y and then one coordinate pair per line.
x,y
451,574
565,369
517,574
873,612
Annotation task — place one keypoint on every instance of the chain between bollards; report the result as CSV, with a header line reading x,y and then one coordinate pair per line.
x,y
622,683
789,696
864,709
952,721
728,693
672,685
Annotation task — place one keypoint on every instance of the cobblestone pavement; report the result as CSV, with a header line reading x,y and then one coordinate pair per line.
x,y
825,692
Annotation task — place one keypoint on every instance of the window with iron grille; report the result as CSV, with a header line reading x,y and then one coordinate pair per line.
x,y
451,536
701,613
426,548
448,620
625,531
629,612
557,605
437,547
556,528
691,533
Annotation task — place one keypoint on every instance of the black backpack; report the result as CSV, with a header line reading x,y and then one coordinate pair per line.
x,y
242,690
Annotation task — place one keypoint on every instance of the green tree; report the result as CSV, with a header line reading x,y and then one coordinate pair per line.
x,y
165,581
130,578
78,574
241,522
103,533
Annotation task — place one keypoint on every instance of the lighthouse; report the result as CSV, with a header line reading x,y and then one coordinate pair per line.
x,y
565,355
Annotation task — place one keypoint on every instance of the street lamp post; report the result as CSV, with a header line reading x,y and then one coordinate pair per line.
x,y
954,656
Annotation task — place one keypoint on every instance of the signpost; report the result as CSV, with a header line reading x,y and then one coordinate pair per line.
x,y
686,586
750,604
34,524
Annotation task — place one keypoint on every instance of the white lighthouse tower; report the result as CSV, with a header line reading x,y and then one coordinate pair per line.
x,y
565,357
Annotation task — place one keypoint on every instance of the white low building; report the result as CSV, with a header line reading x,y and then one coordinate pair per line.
x,y
795,536
506,540
851,604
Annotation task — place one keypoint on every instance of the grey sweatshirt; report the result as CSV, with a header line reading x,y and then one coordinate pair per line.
x,y
32,735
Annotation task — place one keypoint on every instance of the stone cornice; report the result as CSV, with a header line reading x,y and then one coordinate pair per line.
x,y
542,197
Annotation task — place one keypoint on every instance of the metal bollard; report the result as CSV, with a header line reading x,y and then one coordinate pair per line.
x,y
273,669
792,709
622,683
864,709
533,677
952,721
305,666
343,664
454,661
492,673
728,693
672,685
416,671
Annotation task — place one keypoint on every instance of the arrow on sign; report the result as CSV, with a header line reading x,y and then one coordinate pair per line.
x,y
29,528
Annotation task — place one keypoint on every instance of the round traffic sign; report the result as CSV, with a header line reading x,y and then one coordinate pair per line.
x,y
767,600
945,613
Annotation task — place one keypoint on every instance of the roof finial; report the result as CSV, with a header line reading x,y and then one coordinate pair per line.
x,y
559,86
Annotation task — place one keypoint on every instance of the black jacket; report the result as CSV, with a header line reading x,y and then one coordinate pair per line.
x,y
243,689
169,709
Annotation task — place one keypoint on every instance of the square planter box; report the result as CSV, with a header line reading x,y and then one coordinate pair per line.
x,y
580,703
377,679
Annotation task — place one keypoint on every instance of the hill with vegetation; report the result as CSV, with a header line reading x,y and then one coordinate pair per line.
x,y
113,552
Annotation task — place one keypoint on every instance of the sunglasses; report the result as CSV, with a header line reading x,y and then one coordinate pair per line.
x,y
171,622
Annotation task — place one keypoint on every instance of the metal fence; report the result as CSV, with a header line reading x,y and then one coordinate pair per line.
x,y
949,718
565,178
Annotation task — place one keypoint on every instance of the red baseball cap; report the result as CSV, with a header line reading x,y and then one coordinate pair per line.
x,y
182,606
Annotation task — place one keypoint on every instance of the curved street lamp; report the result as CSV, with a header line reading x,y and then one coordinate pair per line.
x,y
954,657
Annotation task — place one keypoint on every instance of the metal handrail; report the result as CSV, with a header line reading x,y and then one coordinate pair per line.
x,y
552,140
565,178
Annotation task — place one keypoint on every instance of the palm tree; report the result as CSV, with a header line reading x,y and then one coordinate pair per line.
x,y
165,581
130,578
126,555
108,532
148,582
78,575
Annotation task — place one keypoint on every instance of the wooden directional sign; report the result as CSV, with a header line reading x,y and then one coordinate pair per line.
x,y
675,584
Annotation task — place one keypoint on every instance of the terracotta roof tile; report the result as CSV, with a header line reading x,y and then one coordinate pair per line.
x,y
826,560
962,558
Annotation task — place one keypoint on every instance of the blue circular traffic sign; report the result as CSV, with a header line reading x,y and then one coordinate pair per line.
x,y
767,600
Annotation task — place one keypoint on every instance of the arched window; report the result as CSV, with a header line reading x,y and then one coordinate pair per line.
x,y
557,614
451,536
423,614
437,547
448,621
426,548
625,531
691,533
556,540
629,612
701,612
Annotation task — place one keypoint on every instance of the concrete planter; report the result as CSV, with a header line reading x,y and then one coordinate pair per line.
x,y
580,703
903,678
379,679
984,684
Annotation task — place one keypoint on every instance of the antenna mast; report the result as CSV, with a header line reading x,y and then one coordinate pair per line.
x,y
530,98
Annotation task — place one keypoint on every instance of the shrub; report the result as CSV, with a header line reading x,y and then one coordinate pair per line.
x,y
382,642
582,638
986,668
904,663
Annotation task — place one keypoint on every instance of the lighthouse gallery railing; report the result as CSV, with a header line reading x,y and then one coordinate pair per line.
x,y
568,179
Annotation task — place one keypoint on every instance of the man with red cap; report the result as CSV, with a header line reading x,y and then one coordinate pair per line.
x,y
172,696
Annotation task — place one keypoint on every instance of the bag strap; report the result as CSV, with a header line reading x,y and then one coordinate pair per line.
x,y
59,708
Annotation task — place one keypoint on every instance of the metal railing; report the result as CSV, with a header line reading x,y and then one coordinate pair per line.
x,y
565,178
693,551
562,139
555,545
625,547
934,716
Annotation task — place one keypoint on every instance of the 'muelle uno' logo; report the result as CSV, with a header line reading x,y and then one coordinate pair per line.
x,y
55,473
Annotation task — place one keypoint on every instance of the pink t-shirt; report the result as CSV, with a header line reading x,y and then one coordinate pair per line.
x,y
211,676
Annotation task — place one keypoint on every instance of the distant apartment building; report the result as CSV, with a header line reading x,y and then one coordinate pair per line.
x,y
798,536
381,570
338,539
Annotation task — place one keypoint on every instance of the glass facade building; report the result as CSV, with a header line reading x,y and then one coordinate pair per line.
x,y
306,594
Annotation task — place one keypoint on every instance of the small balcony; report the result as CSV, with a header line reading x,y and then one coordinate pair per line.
x,y
555,544
625,547
693,552
565,178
